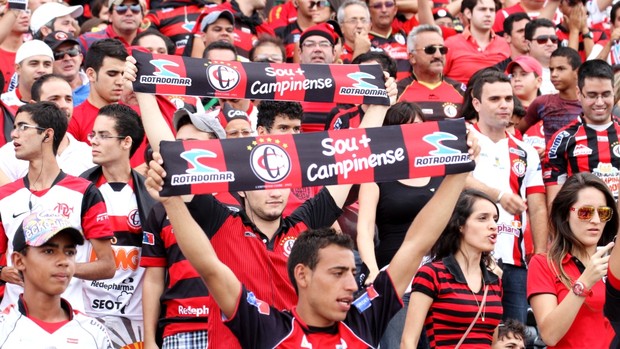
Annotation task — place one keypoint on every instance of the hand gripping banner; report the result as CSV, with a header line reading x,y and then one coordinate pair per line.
x,y
176,75
313,159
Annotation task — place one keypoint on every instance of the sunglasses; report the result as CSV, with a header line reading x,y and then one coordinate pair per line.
x,y
72,52
122,9
585,213
318,4
431,49
379,5
541,40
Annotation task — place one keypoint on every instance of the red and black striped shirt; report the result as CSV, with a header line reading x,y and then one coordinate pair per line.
x,y
577,148
455,305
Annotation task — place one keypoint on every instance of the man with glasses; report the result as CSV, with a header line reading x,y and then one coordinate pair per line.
x,y
73,156
309,13
383,36
541,42
316,45
116,135
477,47
68,63
438,97
591,142
125,19
354,19
508,170
39,128
54,16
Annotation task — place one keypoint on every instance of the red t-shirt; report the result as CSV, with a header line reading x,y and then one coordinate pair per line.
x,y
590,329
465,57
7,66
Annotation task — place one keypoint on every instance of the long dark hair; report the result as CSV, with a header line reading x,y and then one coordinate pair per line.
x,y
451,237
564,240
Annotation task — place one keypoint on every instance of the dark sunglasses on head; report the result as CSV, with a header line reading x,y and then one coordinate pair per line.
x,y
72,52
431,49
585,213
541,40
318,4
122,9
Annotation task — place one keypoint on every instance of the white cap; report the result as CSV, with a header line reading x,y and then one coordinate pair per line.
x,y
48,11
33,48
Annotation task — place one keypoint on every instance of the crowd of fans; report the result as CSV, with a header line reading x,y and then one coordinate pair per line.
x,y
429,262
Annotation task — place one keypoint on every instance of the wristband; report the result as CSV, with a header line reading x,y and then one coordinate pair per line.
x,y
499,197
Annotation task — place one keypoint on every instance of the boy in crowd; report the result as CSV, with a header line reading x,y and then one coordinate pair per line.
x,y
44,254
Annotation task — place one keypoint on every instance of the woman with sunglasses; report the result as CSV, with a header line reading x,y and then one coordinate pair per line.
x,y
457,297
566,287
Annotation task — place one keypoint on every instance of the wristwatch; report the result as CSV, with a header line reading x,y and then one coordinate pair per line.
x,y
579,289
588,35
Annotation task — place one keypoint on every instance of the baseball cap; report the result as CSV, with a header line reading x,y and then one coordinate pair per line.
x,y
48,11
527,63
214,16
205,121
441,13
33,48
328,30
57,38
40,227
228,114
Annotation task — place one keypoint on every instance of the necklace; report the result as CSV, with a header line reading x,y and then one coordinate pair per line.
x,y
484,306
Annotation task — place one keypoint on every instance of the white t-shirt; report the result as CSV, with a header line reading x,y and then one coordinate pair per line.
x,y
74,160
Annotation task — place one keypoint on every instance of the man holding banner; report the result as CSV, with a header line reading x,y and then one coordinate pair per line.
x,y
321,268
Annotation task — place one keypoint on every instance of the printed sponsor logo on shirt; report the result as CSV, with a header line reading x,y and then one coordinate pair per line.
x,y
581,149
249,234
516,151
556,144
514,228
189,310
72,341
609,174
148,238
602,138
262,307
363,302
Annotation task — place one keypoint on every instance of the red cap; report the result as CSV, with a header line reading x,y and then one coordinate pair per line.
x,y
527,63
326,30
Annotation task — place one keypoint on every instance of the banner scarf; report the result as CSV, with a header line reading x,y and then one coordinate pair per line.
x,y
177,75
314,159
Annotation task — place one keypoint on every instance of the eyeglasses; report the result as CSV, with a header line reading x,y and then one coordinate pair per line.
x,y
431,49
321,44
23,127
102,136
318,4
585,213
238,133
543,39
357,20
72,52
379,5
591,96
122,9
